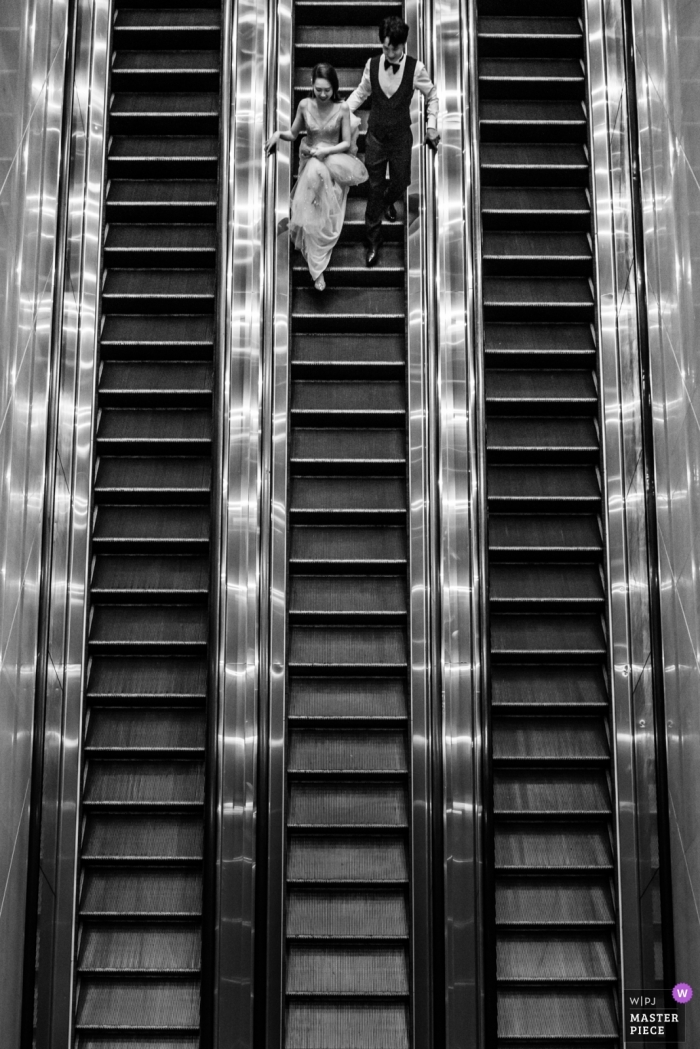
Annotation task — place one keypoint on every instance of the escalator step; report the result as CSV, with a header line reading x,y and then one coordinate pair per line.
x,y
129,578
347,805
530,1014
544,536
551,902
156,838
145,892
146,784
568,686
351,860
137,948
585,958
352,546
348,496
146,676
565,637
125,480
345,1025
143,529
370,972
138,1005
335,752
144,627
329,596
552,847
350,916
543,586
549,793
360,698
554,738
323,445
148,731
374,648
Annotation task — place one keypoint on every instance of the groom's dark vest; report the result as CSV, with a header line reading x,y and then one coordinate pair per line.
x,y
391,115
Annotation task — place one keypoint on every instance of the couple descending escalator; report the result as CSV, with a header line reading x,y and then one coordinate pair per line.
x,y
328,165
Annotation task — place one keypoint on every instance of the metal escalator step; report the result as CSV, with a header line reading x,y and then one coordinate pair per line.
x,y
525,958
174,200
552,847
141,529
543,489
549,686
143,730
558,8
351,497
564,637
348,46
538,739
517,438
348,648
549,1014
165,839
529,37
147,677
532,345
531,78
150,578
544,254
131,782
147,112
166,30
347,860
177,383
540,794
159,291
154,431
364,349
362,698
124,480
370,549
369,972
174,156
348,597
152,949
349,309
143,893
341,1025
147,337
542,902
372,806
138,1005
534,537
503,163
369,448
355,398
545,587
150,71
512,298
335,752
145,628
532,121
541,391
347,916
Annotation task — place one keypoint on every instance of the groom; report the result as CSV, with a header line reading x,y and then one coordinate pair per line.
x,y
390,79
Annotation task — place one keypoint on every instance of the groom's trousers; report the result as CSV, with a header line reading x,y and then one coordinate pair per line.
x,y
394,151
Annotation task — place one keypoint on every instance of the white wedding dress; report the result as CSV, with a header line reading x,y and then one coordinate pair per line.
x,y
320,194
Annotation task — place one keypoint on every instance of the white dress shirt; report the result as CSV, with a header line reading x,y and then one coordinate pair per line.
x,y
390,81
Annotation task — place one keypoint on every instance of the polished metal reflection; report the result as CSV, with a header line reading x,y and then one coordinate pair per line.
x,y
274,505
237,528
623,497
70,565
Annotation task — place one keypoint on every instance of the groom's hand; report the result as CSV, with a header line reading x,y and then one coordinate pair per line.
x,y
432,138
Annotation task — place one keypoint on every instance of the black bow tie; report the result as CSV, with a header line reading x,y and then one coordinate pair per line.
x,y
393,66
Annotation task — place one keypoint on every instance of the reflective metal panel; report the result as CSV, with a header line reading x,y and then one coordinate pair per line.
x,y
32,58
241,297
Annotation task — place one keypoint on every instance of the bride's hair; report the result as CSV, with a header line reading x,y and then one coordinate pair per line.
x,y
325,71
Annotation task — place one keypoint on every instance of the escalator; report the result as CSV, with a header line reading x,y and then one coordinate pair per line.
x,y
348,912
552,809
143,779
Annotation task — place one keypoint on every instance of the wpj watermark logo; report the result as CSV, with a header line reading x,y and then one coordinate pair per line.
x,y
657,1016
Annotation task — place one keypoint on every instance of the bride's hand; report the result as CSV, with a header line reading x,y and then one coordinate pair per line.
x,y
320,152
271,144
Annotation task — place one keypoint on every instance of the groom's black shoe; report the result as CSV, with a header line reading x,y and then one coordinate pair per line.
x,y
372,256
390,212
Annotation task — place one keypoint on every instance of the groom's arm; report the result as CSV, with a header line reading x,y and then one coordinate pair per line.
x,y
362,91
423,83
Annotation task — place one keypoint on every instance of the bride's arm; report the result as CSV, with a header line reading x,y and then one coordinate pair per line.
x,y
288,136
345,136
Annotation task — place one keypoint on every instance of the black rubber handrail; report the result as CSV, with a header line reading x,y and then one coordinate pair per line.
x,y
649,461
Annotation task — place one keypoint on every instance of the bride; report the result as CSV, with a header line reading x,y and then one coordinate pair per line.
x,y
327,168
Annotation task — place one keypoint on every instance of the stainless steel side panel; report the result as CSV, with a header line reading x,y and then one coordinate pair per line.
x,y
237,526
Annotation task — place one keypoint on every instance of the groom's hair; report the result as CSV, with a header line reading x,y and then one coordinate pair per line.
x,y
395,28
